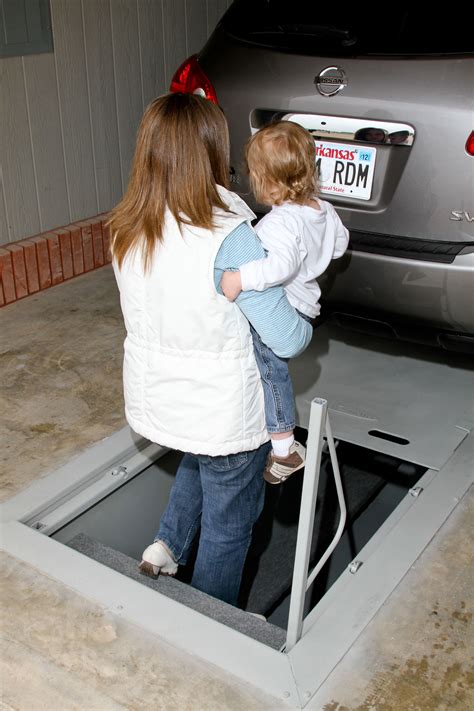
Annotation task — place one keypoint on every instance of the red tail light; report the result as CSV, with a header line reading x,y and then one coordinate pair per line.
x,y
470,144
190,79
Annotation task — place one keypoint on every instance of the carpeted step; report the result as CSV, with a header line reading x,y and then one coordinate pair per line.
x,y
220,611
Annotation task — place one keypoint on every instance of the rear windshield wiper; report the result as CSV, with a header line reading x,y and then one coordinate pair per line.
x,y
345,36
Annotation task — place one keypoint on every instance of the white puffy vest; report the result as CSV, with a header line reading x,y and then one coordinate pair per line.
x,y
190,377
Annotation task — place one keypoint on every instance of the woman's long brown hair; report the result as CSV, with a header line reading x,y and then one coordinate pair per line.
x,y
182,153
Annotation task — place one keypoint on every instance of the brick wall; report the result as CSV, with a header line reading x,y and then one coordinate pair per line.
x,y
39,262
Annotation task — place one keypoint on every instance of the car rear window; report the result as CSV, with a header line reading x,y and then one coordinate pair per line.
x,y
364,29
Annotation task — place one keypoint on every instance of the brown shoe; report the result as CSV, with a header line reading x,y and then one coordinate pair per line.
x,y
278,469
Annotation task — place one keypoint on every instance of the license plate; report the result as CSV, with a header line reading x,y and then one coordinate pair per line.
x,y
345,169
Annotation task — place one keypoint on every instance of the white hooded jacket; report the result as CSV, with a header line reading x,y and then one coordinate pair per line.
x,y
191,381
301,241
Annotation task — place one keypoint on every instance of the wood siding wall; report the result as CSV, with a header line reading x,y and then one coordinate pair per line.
x,y
69,119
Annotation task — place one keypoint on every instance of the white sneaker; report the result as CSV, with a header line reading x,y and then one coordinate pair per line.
x,y
258,616
156,559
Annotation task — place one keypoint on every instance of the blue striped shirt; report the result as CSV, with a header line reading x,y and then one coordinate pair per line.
x,y
278,324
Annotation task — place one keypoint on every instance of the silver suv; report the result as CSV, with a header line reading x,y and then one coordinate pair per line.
x,y
388,97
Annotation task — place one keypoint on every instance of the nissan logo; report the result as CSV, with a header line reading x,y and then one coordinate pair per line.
x,y
330,81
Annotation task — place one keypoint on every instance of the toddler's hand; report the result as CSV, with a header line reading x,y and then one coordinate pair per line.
x,y
231,285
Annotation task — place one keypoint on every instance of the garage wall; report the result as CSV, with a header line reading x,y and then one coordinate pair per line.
x,y
69,118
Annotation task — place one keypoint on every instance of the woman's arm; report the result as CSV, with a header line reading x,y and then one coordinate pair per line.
x,y
270,313
283,260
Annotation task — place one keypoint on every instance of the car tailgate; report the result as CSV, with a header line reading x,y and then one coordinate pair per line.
x,y
415,187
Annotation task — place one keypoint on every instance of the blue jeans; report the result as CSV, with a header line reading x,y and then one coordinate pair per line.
x,y
277,387
223,496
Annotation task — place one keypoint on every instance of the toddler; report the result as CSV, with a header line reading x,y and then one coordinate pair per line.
x,y
301,235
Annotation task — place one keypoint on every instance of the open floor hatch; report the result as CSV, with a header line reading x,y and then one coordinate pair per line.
x,y
88,523
111,533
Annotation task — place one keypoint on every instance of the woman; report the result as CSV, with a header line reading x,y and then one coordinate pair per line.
x,y
190,377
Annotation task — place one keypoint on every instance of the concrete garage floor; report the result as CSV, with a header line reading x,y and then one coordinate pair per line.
x,y
61,388
61,385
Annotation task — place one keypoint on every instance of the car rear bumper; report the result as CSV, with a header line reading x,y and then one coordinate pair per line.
x,y
435,294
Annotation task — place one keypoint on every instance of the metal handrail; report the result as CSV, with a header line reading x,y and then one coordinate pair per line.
x,y
318,427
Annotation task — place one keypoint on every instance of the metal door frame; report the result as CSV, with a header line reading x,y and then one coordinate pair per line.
x,y
327,632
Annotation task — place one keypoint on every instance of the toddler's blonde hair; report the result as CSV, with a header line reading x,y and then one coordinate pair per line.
x,y
281,160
